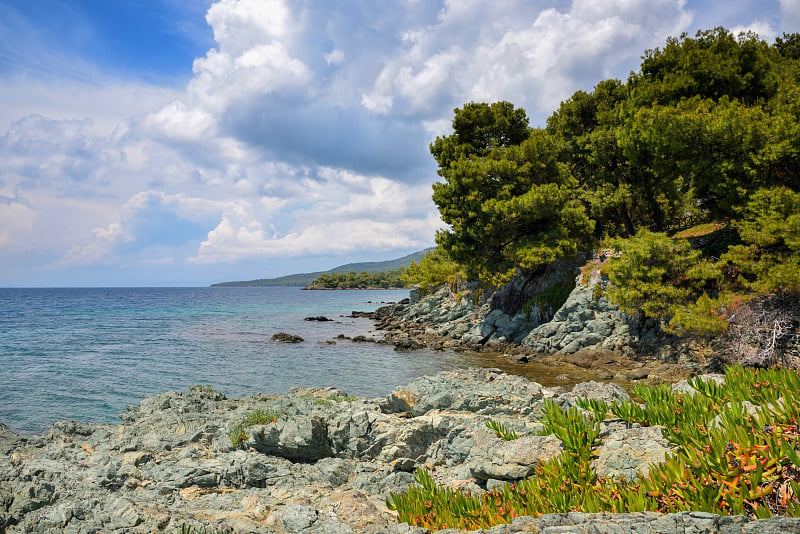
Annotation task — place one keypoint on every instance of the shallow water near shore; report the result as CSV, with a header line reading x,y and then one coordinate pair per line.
x,y
85,354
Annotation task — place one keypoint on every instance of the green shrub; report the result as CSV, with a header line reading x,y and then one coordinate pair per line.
x,y
238,433
433,270
501,430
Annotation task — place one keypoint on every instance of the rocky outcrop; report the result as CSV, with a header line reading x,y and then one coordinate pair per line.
x,y
587,320
467,318
325,464
584,331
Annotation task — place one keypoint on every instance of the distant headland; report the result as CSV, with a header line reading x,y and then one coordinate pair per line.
x,y
307,279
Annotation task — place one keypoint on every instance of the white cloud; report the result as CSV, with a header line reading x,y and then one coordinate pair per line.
x,y
182,124
99,250
341,212
107,102
335,57
517,51
304,130
237,238
241,24
761,27
253,58
16,224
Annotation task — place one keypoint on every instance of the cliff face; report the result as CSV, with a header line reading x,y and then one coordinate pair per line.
x,y
587,321
325,465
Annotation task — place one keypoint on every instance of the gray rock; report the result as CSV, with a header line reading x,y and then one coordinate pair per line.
x,y
605,391
283,337
322,468
296,438
298,518
582,322
626,452
683,386
484,391
493,458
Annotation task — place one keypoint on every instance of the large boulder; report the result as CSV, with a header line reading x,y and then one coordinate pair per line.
x,y
482,391
493,458
626,451
585,321
296,438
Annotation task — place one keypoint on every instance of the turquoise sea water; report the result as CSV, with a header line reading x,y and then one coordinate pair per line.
x,y
85,354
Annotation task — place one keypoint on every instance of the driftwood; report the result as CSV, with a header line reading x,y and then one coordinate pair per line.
x,y
764,331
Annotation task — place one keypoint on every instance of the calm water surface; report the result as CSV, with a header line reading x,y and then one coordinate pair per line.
x,y
85,354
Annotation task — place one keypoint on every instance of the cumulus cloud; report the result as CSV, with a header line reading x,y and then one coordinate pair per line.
x,y
177,122
147,220
303,130
519,51
16,223
341,212
43,151
335,57
762,28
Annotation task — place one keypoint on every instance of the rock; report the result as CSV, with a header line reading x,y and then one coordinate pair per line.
x,y
493,458
319,318
484,391
637,374
626,452
299,438
297,518
407,344
605,391
322,467
582,322
283,337
683,385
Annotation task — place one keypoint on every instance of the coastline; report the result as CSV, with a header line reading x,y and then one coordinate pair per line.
x,y
326,460
447,320
371,288
325,463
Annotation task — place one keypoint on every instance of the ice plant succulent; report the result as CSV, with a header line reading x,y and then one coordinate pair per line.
x,y
736,453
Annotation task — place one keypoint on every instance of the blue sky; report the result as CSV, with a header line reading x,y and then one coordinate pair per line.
x,y
171,142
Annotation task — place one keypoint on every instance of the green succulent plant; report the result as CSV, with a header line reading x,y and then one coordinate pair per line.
x,y
737,452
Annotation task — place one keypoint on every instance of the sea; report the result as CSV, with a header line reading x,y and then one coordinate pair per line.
x,y
86,353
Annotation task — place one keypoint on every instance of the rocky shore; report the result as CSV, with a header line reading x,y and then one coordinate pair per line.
x,y
587,332
325,464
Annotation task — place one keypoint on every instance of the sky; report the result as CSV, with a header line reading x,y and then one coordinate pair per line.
x,y
187,142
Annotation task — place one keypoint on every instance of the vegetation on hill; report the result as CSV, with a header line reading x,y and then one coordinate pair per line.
x,y
362,280
707,132
305,279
